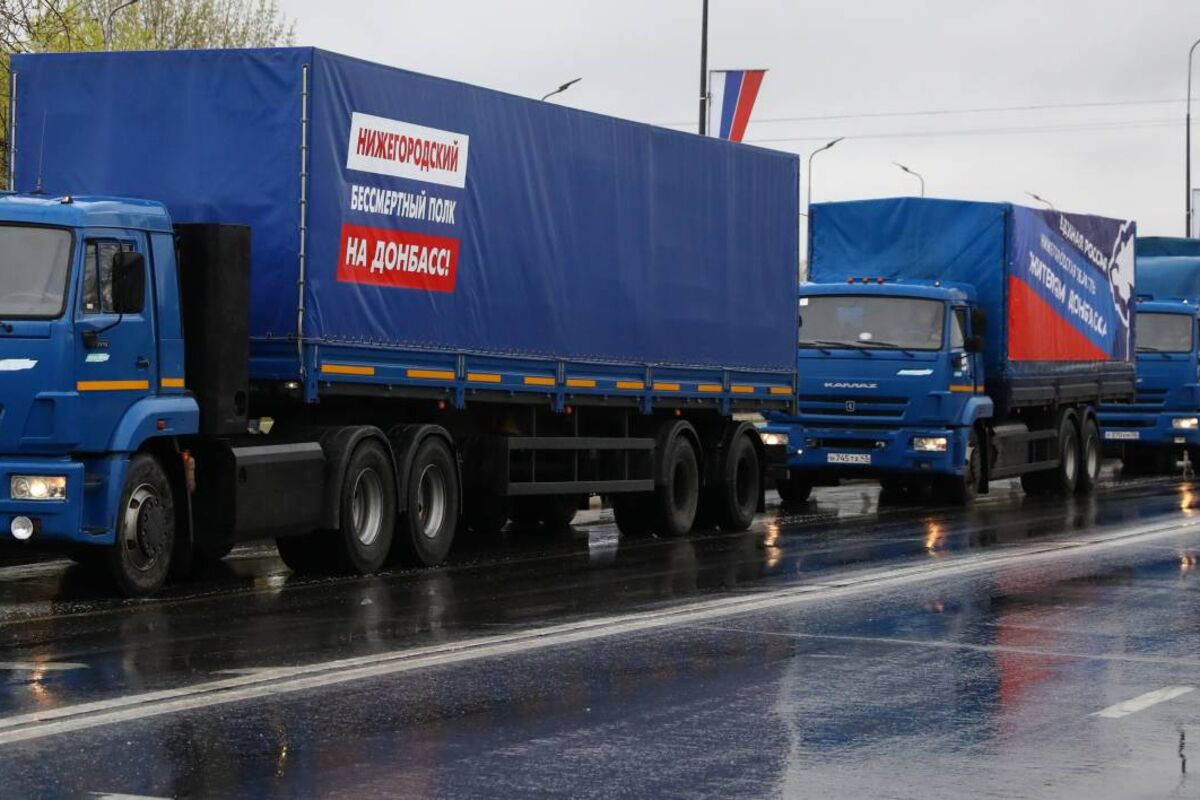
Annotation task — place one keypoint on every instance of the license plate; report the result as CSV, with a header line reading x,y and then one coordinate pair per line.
x,y
1126,436
848,458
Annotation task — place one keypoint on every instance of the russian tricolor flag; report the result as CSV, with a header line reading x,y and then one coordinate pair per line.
x,y
731,96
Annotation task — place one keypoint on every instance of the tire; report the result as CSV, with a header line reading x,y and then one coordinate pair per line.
x,y
367,509
425,532
140,558
632,513
1062,479
485,515
675,500
961,490
794,490
735,497
1089,458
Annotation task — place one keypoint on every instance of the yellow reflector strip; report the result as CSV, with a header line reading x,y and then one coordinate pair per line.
x,y
172,383
666,387
962,388
483,377
538,380
431,374
736,389
581,383
346,369
111,386
630,385
709,387
781,390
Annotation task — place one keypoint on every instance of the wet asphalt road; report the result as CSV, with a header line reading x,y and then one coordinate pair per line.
x,y
841,650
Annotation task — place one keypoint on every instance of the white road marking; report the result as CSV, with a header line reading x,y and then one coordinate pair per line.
x,y
1144,701
40,666
273,682
110,796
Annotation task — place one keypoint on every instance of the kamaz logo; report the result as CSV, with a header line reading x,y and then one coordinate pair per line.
x,y
851,406
845,385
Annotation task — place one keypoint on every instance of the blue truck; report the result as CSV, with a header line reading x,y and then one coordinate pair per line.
x,y
289,294
1162,424
946,344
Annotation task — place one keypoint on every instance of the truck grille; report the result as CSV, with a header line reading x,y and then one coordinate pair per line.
x,y
867,408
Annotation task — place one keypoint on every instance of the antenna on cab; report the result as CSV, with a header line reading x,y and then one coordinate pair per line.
x,y
37,189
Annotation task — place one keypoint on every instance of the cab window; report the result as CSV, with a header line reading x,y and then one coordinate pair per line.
x,y
958,329
97,274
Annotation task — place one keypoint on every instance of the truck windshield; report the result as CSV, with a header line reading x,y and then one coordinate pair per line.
x,y
1164,333
34,263
866,322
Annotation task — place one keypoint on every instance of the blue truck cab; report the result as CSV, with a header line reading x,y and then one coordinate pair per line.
x,y
1163,422
91,360
891,379
945,344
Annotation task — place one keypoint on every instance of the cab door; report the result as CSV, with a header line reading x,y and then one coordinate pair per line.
x,y
116,352
964,366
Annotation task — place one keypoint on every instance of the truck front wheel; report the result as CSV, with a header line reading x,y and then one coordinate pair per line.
x,y
962,489
140,558
793,489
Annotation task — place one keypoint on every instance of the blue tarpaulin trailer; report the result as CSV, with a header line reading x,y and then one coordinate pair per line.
x,y
424,228
285,293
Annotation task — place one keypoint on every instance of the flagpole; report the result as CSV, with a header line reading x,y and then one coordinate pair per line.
x,y
704,70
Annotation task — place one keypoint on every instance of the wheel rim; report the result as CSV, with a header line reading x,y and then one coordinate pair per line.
x,y
143,529
366,507
431,501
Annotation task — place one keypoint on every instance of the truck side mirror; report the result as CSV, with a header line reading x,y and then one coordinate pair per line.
x,y
978,321
128,282
973,344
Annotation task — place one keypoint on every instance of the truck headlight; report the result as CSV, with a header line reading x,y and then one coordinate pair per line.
x,y
1185,423
37,487
929,444
773,439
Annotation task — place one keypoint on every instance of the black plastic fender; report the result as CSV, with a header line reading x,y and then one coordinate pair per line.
x,y
404,441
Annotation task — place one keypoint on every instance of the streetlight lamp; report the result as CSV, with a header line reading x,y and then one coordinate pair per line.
x,y
1041,199
808,199
914,173
1187,205
562,88
108,23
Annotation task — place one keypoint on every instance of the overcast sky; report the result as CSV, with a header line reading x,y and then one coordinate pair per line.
x,y
848,58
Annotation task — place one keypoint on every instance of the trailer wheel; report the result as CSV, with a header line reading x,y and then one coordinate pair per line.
x,y
794,490
368,509
426,531
632,513
674,502
485,514
140,558
735,497
1089,458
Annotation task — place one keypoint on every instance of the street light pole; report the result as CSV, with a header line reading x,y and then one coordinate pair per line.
x,y
808,199
108,23
1187,206
704,70
914,173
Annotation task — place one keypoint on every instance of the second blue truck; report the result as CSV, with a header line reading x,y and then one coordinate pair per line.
x,y
947,344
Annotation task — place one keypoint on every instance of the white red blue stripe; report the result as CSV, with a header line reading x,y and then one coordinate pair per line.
x,y
733,93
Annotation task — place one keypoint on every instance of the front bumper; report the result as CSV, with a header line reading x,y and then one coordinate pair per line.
x,y
1153,429
851,453
54,521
